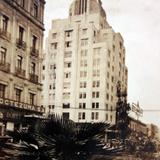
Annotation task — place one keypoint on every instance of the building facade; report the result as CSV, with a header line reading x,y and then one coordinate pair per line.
x,y
153,131
84,60
21,42
138,126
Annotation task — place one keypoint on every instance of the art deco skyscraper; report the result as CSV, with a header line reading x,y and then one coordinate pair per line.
x,y
84,60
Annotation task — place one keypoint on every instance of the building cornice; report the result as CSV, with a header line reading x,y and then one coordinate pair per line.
x,y
25,13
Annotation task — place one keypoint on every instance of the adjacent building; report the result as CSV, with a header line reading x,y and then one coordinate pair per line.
x,y
153,131
138,127
84,61
21,42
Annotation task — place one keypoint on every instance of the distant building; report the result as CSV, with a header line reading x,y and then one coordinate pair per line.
x,y
138,126
84,60
21,41
153,131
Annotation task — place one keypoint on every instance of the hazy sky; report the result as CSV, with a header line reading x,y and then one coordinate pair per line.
x,y
139,23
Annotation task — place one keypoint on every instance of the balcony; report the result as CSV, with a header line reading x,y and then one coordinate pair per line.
x,y
5,35
20,72
5,67
33,78
34,52
21,44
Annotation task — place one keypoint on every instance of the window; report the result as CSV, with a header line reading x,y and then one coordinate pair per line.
x,y
54,86
83,74
107,85
112,68
84,53
106,107
111,98
95,94
112,79
53,67
120,55
43,67
114,48
95,105
66,85
97,51
32,96
96,73
111,118
66,95
2,90
96,62
94,115
120,65
120,45
106,117
108,75
84,31
107,96
83,84
68,54
5,23
96,84
35,10
67,64
65,115
54,45
51,107
66,106
68,33
83,63
34,42
81,115
113,58
19,62
68,44
94,33
67,75
21,34
108,64
33,68
109,53
22,3
112,88
54,35
82,105
119,74
84,42
82,95
123,60
3,55
18,94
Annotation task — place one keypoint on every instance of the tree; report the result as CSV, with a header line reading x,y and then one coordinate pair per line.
x,y
58,139
122,111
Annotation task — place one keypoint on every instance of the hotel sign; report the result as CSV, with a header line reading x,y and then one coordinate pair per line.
x,y
137,110
20,105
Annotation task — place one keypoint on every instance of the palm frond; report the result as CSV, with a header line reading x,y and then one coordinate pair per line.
x,y
60,139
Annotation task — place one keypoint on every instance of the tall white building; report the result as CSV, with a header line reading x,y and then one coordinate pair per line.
x,y
84,60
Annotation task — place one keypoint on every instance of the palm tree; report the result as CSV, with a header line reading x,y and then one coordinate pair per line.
x,y
57,139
